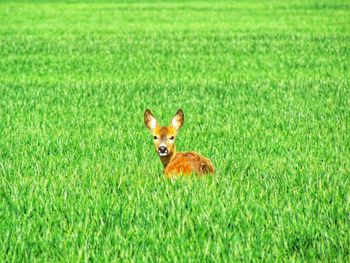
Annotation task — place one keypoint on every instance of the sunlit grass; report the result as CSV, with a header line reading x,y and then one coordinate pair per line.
x,y
265,91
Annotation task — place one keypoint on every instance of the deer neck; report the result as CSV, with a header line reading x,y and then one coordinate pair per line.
x,y
167,159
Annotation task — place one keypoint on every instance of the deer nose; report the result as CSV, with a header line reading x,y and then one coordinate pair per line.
x,y
162,149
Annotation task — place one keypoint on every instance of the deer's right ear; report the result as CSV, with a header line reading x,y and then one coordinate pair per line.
x,y
150,121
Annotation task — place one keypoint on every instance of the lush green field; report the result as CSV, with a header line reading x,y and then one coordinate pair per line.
x,y
266,95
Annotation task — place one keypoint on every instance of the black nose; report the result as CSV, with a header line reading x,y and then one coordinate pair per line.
x,y
162,149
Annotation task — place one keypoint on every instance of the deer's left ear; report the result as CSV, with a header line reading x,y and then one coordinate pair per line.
x,y
178,119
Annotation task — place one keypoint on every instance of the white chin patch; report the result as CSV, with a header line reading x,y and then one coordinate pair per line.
x,y
162,154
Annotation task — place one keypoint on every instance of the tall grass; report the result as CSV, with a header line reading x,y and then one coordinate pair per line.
x,y
265,90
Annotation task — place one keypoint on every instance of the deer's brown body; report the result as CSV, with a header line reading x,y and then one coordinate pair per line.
x,y
186,163
175,163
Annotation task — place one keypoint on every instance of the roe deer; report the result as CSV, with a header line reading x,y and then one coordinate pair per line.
x,y
175,163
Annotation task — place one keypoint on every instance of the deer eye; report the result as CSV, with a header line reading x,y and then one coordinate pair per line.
x,y
155,137
171,137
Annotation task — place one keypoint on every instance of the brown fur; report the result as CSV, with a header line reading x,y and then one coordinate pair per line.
x,y
176,163
186,163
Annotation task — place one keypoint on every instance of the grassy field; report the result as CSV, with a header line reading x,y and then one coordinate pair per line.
x,y
265,90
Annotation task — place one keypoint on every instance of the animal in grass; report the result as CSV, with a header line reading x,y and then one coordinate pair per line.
x,y
175,163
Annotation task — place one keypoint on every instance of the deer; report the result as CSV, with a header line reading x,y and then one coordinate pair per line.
x,y
175,163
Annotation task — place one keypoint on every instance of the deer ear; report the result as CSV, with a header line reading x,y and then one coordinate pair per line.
x,y
149,119
178,119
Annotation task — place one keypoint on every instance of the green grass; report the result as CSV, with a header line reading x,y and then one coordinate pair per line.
x,y
265,89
